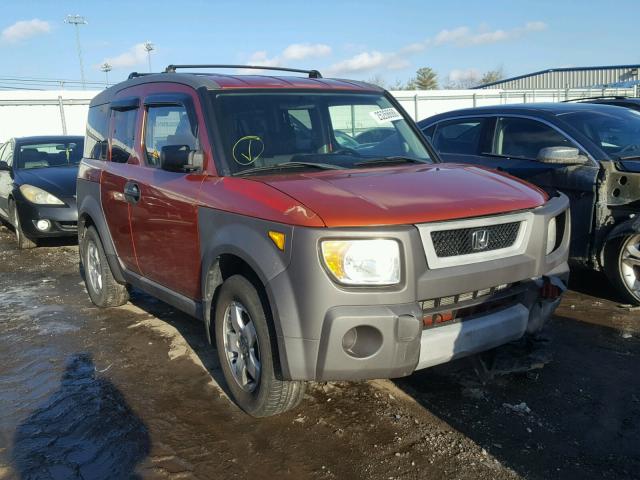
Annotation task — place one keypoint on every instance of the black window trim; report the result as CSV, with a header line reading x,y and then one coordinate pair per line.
x,y
124,104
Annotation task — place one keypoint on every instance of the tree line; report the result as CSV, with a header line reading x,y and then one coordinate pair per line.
x,y
427,79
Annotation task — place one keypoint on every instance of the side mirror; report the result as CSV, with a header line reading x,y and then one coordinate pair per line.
x,y
561,156
4,166
180,158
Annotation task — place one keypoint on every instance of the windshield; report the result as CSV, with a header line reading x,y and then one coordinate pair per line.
x,y
45,155
618,134
279,131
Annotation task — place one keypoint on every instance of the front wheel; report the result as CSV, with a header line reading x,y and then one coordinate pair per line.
x,y
622,266
22,240
245,351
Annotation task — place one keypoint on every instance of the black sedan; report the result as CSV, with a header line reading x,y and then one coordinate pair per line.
x,y
591,152
38,186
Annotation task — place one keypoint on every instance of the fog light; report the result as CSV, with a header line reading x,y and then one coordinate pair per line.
x,y
43,225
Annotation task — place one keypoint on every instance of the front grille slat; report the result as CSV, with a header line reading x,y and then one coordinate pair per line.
x,y
451,243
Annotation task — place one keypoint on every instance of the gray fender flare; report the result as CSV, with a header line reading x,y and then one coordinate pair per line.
x,y
90,207
225,234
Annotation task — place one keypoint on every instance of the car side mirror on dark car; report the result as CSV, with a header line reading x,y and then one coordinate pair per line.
x,y
180,158
561,156
4,166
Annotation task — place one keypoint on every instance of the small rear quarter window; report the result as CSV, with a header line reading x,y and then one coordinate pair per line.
x,y
95,145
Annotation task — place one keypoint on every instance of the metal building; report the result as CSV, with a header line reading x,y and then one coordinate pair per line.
x,y
565,78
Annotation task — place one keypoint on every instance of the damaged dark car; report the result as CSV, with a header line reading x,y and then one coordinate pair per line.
x,y
590,152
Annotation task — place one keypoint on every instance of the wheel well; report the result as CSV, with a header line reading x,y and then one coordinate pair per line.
x,y
84,221
227,265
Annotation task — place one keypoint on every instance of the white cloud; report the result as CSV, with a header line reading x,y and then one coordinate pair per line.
x,y
464,75
465,37
25,29
293,53
136,55
461,37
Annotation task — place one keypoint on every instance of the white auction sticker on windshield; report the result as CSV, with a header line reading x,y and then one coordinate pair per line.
x,y
386,115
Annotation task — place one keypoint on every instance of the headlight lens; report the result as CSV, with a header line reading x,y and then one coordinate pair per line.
x,y
363,262
551,235
39,196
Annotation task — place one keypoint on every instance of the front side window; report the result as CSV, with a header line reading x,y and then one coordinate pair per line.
x,y
460,136
51,154
313,130
524,138
167,126
124,134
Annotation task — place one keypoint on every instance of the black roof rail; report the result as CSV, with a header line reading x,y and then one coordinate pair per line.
x,y
136,75
311,73
600,97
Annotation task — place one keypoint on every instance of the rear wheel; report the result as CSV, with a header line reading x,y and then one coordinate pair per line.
x,y
622,265
245,351
22,240
103,288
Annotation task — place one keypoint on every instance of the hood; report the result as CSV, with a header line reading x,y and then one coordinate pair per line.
x,y
407,195
58,181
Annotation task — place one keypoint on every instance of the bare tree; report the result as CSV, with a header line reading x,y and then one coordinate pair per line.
x,y
491,76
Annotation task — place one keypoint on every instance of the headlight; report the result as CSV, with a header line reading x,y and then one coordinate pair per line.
x,y
39,196
551,235
363,262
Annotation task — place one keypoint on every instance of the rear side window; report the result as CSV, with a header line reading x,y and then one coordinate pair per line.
x,y
460,136
96,145
124,134
167,126
524,138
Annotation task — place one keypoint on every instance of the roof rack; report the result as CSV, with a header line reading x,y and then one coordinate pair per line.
x,y
136,75
600,97
311,73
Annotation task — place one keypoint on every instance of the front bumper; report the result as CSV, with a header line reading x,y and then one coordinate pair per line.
x,y
63,218
316,319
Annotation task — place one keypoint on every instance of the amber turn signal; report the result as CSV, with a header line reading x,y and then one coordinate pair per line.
x,y
278,238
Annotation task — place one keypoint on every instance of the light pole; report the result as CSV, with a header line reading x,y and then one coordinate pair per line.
x,y
78,20
106,68
149,47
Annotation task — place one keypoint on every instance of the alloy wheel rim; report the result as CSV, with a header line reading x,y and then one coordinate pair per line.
x,y
16,224
630,264
241,346
93,267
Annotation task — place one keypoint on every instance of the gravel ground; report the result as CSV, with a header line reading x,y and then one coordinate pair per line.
x,y
135,392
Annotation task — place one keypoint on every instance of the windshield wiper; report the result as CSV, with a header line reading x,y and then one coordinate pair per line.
x,y
287,165
631,157
388,160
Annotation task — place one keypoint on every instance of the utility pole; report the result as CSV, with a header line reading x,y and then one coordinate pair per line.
x,y
76,21
106,68
149,47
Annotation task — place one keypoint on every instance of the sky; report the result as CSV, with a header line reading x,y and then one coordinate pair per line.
x,y
386,40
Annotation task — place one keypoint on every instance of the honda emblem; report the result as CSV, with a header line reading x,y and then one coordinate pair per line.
x,y
480,239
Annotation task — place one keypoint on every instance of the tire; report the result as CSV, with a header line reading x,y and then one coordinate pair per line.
x,y
103,288
622,266
24,242
258,394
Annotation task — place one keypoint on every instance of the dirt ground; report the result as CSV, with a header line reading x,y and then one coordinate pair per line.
x,y
134,392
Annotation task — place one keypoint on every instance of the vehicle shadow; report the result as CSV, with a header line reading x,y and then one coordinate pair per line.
x,y
191,329
578,417
594,284
85,429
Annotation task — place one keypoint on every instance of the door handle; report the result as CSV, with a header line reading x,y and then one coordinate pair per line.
x,y
131,192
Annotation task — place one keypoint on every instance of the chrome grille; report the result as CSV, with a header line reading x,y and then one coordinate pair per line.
x,y
450,243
